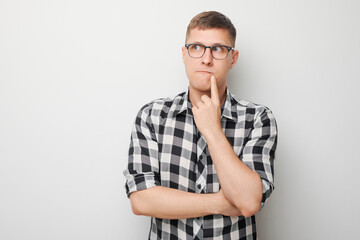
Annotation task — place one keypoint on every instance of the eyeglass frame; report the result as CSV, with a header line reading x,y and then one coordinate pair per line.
x,y
211,48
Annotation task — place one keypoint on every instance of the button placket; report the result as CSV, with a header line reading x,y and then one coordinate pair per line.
x,y
201,165
200,184
202,170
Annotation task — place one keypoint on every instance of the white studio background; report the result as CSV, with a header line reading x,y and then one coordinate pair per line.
x,y
73,75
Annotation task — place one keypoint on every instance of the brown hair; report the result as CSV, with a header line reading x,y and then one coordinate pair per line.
x,y
212,19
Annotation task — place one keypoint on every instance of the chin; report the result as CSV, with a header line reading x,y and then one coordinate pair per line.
x,y
201,87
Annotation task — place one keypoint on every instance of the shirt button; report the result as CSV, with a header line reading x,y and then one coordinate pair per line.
x,y
199,186
201,157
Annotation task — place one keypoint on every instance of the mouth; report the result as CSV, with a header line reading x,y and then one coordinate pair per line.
x,y
204,71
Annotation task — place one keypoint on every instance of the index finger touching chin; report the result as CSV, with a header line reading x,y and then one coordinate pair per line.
x,y
214,90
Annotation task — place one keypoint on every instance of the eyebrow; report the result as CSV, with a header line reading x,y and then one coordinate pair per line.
x,y
210,45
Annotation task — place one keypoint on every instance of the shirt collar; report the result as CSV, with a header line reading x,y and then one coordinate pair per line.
x,y
228,110
183,105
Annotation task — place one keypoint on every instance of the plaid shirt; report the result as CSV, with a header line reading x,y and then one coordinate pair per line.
x,y
167,150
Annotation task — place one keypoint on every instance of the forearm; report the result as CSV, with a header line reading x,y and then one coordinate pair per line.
x,y
241,185
168,203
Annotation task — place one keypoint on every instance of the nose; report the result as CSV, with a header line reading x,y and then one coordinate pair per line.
x,y
207,58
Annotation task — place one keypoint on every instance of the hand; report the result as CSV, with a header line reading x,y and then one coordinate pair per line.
x,y
226,208
207,113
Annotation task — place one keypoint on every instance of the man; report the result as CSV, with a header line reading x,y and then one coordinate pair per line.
x,y
201,163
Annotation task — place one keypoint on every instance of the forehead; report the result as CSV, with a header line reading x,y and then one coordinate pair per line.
x,y
209,36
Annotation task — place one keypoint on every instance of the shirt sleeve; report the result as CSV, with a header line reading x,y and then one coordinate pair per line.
x,y
143,164
259,150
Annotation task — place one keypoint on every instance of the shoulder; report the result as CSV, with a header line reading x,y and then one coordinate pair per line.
x,y
249,109
161,107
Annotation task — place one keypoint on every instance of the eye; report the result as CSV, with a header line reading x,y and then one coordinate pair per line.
x,y
196,47
219,49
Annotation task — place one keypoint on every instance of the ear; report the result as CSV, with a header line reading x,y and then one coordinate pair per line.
x,y
183,50
234,59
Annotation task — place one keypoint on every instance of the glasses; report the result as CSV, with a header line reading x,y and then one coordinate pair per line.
x,y
219,52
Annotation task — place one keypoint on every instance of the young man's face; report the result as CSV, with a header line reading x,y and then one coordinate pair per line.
x,y
199,70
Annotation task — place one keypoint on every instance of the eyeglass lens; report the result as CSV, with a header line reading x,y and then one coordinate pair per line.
x,y
218,52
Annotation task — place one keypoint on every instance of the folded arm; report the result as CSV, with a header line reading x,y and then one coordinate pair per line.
x,y
169,203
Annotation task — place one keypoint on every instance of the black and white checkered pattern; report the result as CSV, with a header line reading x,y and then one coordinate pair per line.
x,y
167,150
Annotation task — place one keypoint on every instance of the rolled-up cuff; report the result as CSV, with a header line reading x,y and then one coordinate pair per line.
x,y
267,190
139,181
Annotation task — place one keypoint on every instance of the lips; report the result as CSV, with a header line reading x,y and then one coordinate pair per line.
x,y
204,71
